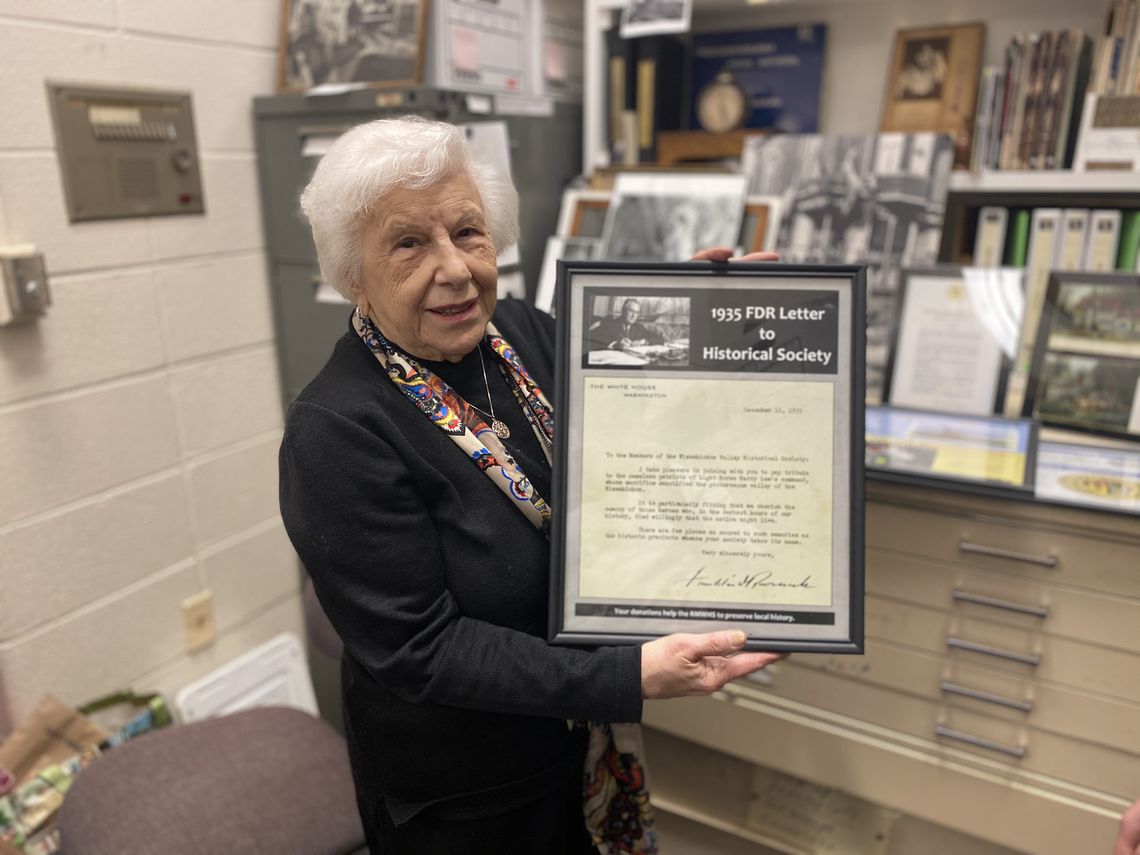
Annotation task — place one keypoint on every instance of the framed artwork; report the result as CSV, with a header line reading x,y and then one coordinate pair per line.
x,y
953,340
1085,373
559,248
933,83
1090,475
760,224
738,503
669,216
378,42
583,213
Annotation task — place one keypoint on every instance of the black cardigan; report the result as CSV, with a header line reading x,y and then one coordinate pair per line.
x,y
438,587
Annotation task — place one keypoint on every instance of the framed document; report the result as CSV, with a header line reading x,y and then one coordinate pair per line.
x,y
1085,373
708,464
954,339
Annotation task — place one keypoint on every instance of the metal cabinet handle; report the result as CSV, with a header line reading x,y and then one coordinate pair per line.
x,y
998,552
1006,605
977,741
1030,659
977,695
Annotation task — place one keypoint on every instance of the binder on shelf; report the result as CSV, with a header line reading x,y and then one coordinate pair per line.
x,y
989,240
1071,236
1018,245
660,79
1043,240
1101,242
1129,241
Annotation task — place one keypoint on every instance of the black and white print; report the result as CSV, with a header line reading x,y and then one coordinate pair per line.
x,y
874,200
924,69
350,41
648,17
670,217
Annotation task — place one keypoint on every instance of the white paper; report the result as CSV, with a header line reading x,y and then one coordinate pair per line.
x,y
317,145
512,285
481,46
489,143
326,293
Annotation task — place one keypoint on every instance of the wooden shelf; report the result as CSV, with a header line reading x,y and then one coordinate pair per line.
x,y
1053,181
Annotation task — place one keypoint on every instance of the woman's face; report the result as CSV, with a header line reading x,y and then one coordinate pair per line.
x,y
429,274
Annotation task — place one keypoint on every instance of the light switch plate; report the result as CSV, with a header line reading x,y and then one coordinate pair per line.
x,y
198,615
24,284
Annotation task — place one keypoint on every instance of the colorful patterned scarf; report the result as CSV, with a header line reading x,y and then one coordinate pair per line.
x,y
615,795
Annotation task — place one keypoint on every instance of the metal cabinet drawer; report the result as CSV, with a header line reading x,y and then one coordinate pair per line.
x,y
948,729
1045,555
974,641
986,691
1007,598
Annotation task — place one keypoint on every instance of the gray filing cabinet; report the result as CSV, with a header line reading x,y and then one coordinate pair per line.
x,y
546,153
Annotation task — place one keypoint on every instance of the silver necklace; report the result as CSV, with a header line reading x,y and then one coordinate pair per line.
x,y
500,428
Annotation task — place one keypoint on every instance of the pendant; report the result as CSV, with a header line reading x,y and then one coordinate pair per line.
x,y
500,429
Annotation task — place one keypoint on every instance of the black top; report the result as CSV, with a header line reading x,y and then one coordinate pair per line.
x,y
438,587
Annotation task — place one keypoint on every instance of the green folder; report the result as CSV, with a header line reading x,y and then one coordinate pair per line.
x,y
1017,242
1129,241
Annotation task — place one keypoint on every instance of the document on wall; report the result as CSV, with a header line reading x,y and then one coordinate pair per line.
x,y
487,46
710,449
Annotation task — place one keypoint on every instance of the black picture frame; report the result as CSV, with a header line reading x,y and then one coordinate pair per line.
x,y
704,279
1037,385
905,281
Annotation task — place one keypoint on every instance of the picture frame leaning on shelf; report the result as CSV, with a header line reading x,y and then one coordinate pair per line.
x,y
933,83
1085,374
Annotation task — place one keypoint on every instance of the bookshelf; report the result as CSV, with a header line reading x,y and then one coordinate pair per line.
x,y
1051,182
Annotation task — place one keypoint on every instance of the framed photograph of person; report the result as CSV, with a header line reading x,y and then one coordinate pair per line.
x,y
376,42
669,216
760,224
709,455
583,213
954,338
933,82
1085,373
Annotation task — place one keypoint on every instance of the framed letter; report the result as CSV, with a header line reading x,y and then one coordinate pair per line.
x,y
709,453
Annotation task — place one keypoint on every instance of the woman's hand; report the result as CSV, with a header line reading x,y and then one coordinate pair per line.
x,y
724,253
681,664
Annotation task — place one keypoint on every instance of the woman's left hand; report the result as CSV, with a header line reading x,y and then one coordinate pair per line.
x,y
724,253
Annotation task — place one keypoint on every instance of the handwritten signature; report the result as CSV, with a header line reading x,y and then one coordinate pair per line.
x,y
760,579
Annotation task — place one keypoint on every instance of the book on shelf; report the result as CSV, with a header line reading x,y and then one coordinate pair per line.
x,y
1030,108
621,96
1116,66
989,240
1101,243
660,78
1017,247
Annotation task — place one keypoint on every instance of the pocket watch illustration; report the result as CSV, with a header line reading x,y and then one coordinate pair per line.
x,y
722,105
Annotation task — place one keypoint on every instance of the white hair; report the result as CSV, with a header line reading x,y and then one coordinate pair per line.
x,y
372,159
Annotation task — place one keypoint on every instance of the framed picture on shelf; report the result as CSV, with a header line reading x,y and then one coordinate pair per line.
x,y
669,216
559,248
583,213
953,340
980,449
760,224
349,41
1093,475
1085,373
741,504
933,82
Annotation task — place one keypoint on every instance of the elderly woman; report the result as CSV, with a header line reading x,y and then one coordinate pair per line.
x,y
414,471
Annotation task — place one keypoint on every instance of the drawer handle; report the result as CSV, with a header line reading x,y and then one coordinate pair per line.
x,y
1030,659
977,741
998,552
1006,605
975,694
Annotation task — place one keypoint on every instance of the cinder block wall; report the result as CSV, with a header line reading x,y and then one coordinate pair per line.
x,y
139,421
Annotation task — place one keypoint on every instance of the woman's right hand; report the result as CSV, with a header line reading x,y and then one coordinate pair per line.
x,y
681,664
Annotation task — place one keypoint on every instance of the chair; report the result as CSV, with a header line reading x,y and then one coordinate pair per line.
x,y
261,781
